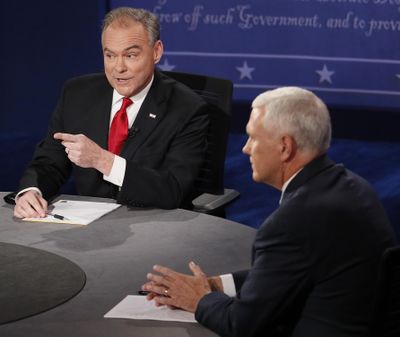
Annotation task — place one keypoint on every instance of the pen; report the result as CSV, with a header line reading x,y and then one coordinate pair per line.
x,y
143,292
57,216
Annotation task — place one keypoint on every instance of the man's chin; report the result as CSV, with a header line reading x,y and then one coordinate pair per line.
x,y
256,178
124,90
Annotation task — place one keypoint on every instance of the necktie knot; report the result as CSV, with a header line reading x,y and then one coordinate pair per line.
x,y
119,128
125,103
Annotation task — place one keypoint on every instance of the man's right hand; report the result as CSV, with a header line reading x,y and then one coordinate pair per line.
x,y
30,205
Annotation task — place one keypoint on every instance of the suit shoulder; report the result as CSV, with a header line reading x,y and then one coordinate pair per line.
x,y
336,198
97,79
181,91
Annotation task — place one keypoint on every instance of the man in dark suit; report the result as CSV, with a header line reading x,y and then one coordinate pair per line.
x,y
315,259
156,162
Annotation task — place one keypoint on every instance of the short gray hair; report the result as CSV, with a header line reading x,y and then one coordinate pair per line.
x,y
124,15
299,113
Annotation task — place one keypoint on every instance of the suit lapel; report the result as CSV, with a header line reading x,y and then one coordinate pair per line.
x,y
150,115
103,111
99,116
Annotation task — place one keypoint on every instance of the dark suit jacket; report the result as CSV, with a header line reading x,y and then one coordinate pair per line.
x,y
315,262
163,154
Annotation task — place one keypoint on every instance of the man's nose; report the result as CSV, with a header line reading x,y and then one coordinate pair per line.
x,y
120,65
245,148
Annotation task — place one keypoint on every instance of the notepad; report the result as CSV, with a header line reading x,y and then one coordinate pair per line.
x,y
76,212
138,307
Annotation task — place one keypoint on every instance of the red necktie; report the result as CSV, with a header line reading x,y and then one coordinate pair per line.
x,y
119,128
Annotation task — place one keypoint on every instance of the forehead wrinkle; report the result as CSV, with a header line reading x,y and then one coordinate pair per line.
x,y
119,36
134,47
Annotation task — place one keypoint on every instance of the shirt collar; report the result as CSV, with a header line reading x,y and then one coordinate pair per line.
x,y
138,97
286,184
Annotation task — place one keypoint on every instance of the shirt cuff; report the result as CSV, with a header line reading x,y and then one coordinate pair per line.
x,y
228,284
117,172
26,190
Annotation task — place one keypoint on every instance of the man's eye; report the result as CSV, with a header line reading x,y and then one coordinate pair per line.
x,y
131,56
109,56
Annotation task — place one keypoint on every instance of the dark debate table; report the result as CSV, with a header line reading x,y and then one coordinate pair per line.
x,y
116,252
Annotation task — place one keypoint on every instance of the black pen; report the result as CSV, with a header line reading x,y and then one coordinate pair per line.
x,y
143,292
57,216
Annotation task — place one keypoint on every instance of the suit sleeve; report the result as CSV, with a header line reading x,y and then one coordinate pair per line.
x,y
277,281
50,167
168,184
239,277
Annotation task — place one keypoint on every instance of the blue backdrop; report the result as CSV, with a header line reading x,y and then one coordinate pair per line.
x,y
43,44
348,51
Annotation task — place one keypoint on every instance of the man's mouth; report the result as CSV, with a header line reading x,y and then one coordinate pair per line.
x,y
122,80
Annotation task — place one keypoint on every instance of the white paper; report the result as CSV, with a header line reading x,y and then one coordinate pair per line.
x,y
77,212
138,307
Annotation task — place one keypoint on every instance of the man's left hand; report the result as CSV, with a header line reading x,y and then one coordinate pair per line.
x,y
175,289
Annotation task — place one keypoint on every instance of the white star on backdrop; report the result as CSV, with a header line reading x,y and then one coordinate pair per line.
x,y
245,71
398,76
166,66
325,74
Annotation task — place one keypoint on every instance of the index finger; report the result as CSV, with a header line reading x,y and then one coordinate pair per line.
x,y
64,136
196,269
39,204
164,270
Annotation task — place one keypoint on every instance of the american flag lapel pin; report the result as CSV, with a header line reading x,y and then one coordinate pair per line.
x,y
151,115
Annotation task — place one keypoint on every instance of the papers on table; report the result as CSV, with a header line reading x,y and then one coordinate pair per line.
x,y
138,307
76,212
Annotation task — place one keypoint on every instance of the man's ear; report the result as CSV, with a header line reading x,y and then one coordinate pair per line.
x,y
158,51
288,148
